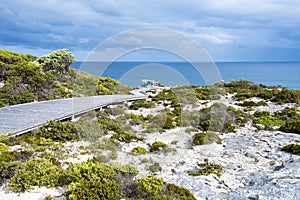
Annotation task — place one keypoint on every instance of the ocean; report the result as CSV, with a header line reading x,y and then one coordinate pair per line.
x,y
285,74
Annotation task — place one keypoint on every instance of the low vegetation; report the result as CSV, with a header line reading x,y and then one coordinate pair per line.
x,y
158,146
142,103
40,158
243,90
109,86
291,127
206,138
138,150
26,78
292,148
206,169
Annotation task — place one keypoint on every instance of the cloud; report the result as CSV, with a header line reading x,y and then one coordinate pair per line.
x,y
215,24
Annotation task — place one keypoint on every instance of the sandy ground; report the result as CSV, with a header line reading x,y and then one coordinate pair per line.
x,y
242,153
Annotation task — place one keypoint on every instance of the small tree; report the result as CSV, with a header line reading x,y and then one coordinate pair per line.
x,y
57,62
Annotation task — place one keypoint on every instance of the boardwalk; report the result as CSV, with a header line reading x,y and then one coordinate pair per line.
x,y
22,118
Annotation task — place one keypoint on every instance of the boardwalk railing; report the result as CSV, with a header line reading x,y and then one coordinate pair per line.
x,y
22,118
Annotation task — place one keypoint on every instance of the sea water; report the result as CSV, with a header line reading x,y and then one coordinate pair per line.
x,y
285,74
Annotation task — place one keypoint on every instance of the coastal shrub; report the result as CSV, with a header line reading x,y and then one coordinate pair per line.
x,y
204,125
206,169
202,93
292,148
109,86
85,84
155,167
228,128
288,114
189,119
206,138
8,164
48,197
291,127
235,86
253,104
220,118
141,103
89,129
243,90
169,122
138,150
36,172
265,118
126,169
158,146
108,144
237,116
127,137
58,131
92,180
30,141
150,185
136,119
106,124
153,129
115,111
186,94
165,95
3,147
178,193
57,62
94,188
286,95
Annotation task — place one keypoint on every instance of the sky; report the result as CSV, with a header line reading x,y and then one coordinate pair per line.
x,y
228,30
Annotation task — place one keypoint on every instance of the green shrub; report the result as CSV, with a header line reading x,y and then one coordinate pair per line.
x,y
136,119
138,150
94,188
89,129
169,122
158,146
8,164
189,119
36,172
288,114
240,118
155,167
144,160
85,84
48,197
206,138
207,168
109,86
286,95
265,118
150,185
141,103
125,169
252,103
3,147
92,180
228,128
127,137
58,131
292,148
178,193
291,127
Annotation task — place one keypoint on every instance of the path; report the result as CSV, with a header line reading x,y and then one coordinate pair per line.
x,y
22,118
